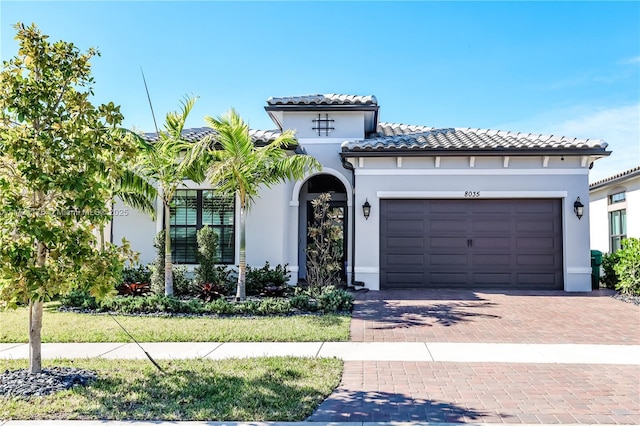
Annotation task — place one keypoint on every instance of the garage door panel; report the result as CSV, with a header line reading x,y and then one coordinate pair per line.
x,y
404,243
491,279
448,225
405,279
406,226
491,260
441,243
538,260
455,259
491,225
536,226
535,207
445,206
491,243
537,243
471,243
498,207
405,260
444,279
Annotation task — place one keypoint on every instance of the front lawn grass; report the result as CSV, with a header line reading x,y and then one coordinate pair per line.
x,y
65,327
259,389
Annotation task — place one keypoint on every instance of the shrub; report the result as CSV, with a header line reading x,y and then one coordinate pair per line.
x,y
220,307
138,274
257,279
303,302
134,289
332,299
206,272
627,267
324,251
609,279
181,284
79,299
209,292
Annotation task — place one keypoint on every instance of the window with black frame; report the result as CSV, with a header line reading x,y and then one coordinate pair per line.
x,y
193,209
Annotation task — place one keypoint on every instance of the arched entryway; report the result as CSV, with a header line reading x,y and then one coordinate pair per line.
x,y
310,190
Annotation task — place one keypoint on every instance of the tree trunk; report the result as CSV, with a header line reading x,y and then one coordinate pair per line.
x,y
35,317
35,338
168,265
241,292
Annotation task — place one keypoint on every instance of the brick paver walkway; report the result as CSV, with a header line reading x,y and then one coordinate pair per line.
x,y
489,392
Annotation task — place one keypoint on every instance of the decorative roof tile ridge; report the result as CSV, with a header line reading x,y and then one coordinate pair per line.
x,y
323,99
625,173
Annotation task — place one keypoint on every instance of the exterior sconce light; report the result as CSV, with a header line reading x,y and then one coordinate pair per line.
x,y
578,208
366,209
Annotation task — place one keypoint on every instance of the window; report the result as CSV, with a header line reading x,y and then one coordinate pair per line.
x,y
617,228
620,197
193,209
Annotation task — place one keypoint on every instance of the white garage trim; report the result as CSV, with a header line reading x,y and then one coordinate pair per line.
x,y
483,172
461,194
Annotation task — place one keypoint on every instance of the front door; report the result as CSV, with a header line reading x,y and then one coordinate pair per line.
x,y
341,223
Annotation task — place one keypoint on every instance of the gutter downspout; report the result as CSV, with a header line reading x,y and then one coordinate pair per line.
x,y
349,166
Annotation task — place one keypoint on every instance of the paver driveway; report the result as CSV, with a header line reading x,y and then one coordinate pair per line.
x,y
494,317
489,392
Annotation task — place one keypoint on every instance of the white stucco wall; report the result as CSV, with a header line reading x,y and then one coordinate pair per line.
x,y
378,178
137,227
599,206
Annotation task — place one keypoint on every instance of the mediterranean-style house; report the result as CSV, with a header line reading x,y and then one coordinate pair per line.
x,y
420,206
614,203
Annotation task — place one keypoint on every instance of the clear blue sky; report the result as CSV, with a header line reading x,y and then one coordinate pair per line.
x,y
544,67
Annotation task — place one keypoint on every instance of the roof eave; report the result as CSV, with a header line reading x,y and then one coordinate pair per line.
x,y
323,107
614,181
478,152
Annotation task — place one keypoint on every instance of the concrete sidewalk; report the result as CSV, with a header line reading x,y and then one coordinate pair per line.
x,y
348,351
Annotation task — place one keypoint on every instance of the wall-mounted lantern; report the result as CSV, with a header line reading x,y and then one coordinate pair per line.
x,y
578,208
366,209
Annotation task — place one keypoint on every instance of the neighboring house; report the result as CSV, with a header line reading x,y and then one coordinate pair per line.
x,y
460,208
614,205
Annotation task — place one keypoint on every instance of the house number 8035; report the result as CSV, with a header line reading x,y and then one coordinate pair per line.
x,y
471,194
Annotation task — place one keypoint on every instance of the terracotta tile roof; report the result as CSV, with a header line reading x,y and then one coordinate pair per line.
x,y
615,178
326,99
197,133
401,137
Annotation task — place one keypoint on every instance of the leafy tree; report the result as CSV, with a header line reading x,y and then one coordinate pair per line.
x,y
240,168
169,160
324,251
56,153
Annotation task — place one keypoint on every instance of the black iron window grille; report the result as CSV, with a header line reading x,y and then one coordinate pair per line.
x,y
323,124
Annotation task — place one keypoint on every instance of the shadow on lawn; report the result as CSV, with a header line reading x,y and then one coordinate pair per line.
x,y
275,393
347,406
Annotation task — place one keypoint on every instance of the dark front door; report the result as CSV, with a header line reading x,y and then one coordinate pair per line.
x,y
515,243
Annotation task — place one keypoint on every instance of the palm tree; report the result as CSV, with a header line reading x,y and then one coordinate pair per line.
x,y
240,168
170,160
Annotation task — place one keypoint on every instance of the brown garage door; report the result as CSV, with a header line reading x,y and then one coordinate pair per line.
x,y
514,243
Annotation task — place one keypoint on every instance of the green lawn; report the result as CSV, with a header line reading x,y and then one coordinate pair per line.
x,y
261,389
65,327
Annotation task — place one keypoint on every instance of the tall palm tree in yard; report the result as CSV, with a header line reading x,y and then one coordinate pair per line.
x,y
170,160
240,168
